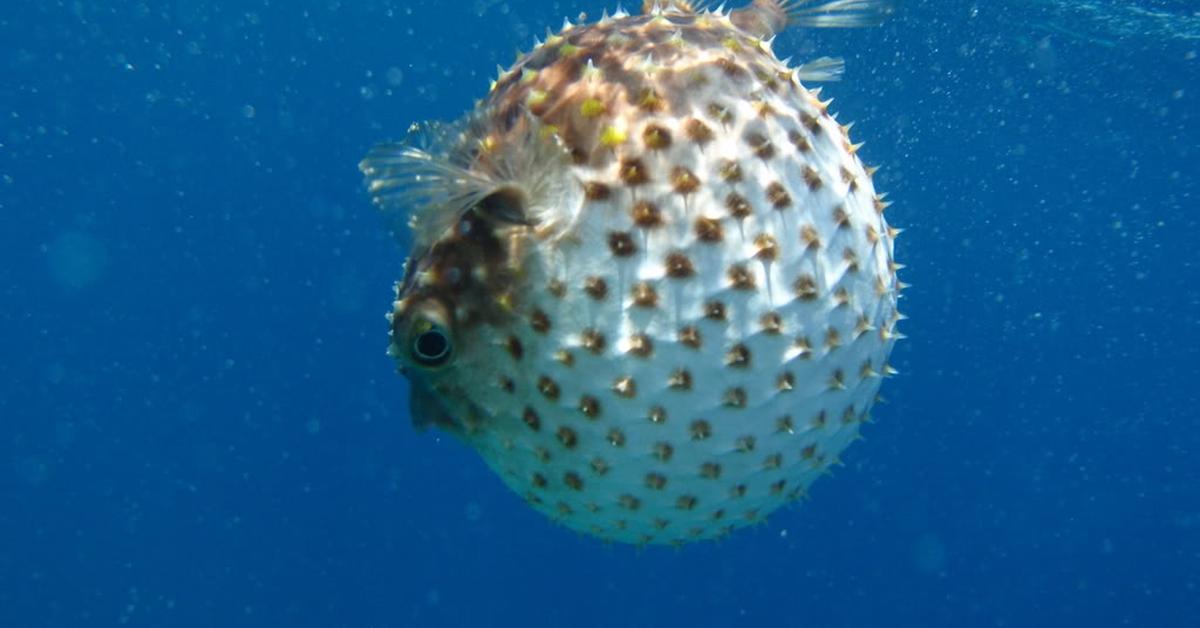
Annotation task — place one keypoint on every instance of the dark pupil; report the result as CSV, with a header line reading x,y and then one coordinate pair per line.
x,y
432,345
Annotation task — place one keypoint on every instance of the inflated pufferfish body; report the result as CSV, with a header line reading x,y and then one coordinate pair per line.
x,y
651,281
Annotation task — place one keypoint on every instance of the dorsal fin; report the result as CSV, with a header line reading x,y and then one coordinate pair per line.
x,y
766,18
676,6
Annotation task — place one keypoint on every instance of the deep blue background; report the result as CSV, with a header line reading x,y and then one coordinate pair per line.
x,y
199,426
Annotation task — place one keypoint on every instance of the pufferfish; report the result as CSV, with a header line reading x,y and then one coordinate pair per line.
x,y
651,281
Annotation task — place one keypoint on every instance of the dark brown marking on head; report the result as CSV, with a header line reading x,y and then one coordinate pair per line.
x,y
700,429
766,248
689,336
556,288
656,137
760,145
596,191
806,287
812,178
683,181
565,358
738,356
772,323
679,266
599,466
710,470
809,237
799,141
740,277
730,171
785,425
507,384
573,481
715,311
633,172
680,379
663,451
657,414
567,437
745,444
514,347
646,214
709,230
531,419
589,406
686,502
538,480
773,461
644,295
616,437
625,386
593,340
734,397
539,321
655,481
697,131
596,288
548,388
810,122
641,346
778,196
738,206
621,243
629,502
720,113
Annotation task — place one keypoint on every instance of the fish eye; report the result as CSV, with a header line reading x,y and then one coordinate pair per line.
x,y
431,347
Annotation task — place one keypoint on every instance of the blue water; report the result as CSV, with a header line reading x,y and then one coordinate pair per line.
x,y
199,426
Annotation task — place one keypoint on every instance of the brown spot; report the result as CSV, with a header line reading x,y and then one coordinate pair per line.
x,y
764,109
690,337
573,481
629,502
714,311
507,384
564,357
548,388
641,345
738,206
799,141
841,296
760,145
656,481
679,266
738,491
806,287
663,451
809,237
872,235
596,191
680,379
786,382
734,398
772,323
847,175
708,230
697,131
718,514
740,277
589,406
542,454
810,122
538,480
778,197
621,243
649,100
819,421
656,137
730,67
683,181
773,461
810,452
720,113
593,340
812,178
646,215
556,288
745,444
644,295
515,348
700,429
784,425
625,387
686,502
767,249
777,487
710,470
633,172
849,416
567,437
539,321
833,338
599,466
531,418
803,346
596,287
738,356
657,415
851,259
730,171
840,217
616,437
